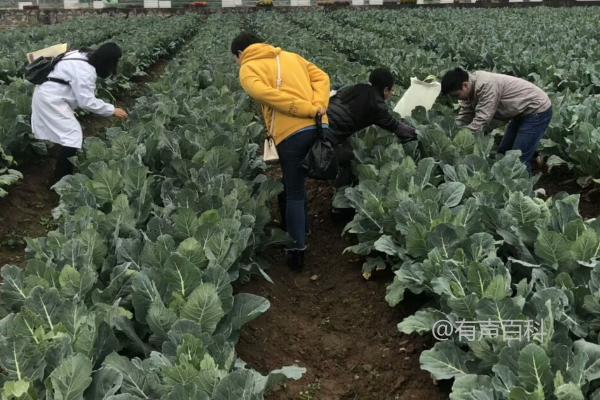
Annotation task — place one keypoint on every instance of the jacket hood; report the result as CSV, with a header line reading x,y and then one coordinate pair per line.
x,y
259,51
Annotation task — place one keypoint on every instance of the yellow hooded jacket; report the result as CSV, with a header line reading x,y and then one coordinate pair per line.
x,y
304,88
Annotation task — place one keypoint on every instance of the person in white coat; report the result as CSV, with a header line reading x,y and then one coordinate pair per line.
x,y
71,86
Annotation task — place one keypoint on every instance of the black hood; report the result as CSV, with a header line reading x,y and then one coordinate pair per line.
x,y
105,59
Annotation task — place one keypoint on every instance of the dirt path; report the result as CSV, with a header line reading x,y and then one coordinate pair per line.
x,y
337,325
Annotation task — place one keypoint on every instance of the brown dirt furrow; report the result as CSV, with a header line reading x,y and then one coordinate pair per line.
x,y
336,324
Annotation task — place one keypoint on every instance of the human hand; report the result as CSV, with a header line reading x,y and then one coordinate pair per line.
x,y
120,113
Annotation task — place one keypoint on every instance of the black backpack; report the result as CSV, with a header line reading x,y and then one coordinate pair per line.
x,y
37,72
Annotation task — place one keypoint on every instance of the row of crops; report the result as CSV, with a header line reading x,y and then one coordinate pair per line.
x,y
131,297
153,38
555,58
465,228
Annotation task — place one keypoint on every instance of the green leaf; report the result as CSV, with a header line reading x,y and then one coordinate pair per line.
x,y
592,351
498,311
498,288
105,383
446,361
422,322
13,290
136,377
472,387
160,319
74,283
505,379
554,161
524,209
204,307
106,184
452,193
71,378
569,391
482,246
587,246
534,369
521,394
465,307
14,389
552,248
239,385
247,307
386,244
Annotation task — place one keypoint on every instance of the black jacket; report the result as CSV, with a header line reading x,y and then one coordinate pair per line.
x,y
354,108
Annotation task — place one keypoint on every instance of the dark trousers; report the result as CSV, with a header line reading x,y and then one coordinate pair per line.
x,y
63,166
292,152
525,133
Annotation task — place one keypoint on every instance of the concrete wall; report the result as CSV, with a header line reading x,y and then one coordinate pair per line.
x,y
51,11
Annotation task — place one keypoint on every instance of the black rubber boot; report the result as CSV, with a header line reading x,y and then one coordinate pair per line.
x,y
295,259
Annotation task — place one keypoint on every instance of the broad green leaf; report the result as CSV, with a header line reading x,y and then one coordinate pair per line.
x,y
247,307
386,244
534,369
105,382
569,391
446,361
587,246
524,209
472,387
75,283
421,322
519,393
71,378
13,290
204,307
501,312
452,193
553,249
592,350
15,389
160,318
239,385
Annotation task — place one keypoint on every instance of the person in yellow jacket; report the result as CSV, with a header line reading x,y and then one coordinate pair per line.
x,y
292,92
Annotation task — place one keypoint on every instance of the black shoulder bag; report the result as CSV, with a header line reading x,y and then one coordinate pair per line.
x,y
321,161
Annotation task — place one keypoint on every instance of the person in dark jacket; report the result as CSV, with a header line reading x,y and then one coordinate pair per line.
x,y
354,108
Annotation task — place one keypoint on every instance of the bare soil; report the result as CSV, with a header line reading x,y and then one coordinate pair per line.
x,y
562,180
333,322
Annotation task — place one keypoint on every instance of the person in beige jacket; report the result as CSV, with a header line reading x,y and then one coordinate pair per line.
x,y
485,96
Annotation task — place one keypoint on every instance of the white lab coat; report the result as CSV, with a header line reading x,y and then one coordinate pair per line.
x,y
54,104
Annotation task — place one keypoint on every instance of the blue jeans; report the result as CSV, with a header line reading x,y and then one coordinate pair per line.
x,y
524,133
291,154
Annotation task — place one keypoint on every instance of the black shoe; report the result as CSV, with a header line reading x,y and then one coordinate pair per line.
x,y
295,259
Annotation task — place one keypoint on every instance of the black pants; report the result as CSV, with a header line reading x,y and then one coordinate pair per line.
x,y
63,165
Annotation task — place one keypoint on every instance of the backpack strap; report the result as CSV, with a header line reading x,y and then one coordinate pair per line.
x,y
62,81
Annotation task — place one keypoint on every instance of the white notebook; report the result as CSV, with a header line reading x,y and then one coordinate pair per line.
x,y
51,51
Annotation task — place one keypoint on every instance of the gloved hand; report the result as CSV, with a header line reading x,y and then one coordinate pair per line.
x,y
406,133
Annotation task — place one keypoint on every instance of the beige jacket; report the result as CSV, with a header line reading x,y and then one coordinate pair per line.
x,y
501,97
